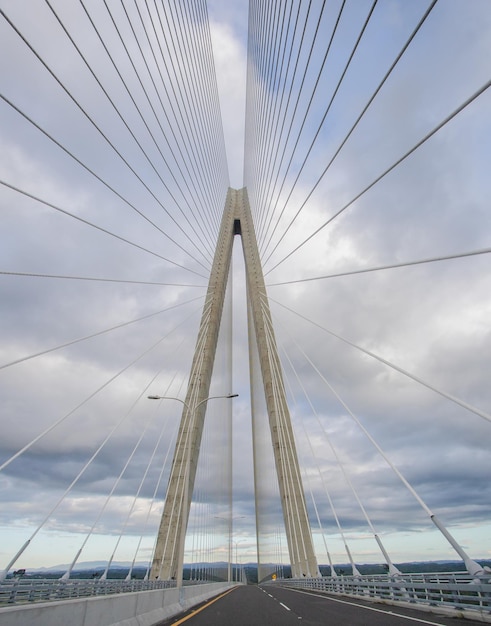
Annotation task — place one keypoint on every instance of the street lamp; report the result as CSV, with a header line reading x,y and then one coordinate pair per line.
x,y
230,395
185,508
230,521
237,558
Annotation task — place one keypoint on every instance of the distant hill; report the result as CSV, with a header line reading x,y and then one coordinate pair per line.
x,y
119,569
87,565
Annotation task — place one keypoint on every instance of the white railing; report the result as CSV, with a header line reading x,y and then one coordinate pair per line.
x,y
22,590
454,590
112,603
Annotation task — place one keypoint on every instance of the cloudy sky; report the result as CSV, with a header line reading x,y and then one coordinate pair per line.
x,y
114,176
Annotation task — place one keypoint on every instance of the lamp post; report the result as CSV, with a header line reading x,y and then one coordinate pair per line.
x,y
230,521
237,558
229,551
186,504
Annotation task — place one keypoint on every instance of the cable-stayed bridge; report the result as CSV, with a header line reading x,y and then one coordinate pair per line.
x,y
353,322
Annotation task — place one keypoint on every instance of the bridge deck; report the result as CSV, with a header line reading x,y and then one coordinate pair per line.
x,y
251,606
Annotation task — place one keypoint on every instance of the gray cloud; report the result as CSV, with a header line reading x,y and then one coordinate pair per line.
x,y
431,320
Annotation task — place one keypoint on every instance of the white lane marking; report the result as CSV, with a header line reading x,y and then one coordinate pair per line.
x,y
270,595
368,608
284,606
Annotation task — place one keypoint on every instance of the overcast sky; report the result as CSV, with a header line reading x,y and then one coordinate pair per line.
x,y
431,320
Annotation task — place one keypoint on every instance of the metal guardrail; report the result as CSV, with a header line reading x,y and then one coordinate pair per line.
x,y
28,590
454,590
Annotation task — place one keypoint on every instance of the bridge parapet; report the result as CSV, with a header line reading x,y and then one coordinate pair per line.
x,y
454,593
144,607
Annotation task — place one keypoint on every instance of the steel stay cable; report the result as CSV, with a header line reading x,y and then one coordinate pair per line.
x,y
63,496
92,395
392,569
97,334
287,435
307,481
108,141
281,442
258,53
365,270
283,469
133,99
199,108
184,435
252,131
319,128
249,138
212,93
288,102
197,92
190,148
96,279
148,129
201,159
118,479
179,51
101,180
181,434
144,59
185,96
259,50
123,120
163,467
81,219
260,467
469,564
279,105
270,92
199,53
284,379
270,211
422,141
163,82
289,497
324,431
300,90
266,89
272,121
395,367
214,97
140,486
202,191
300,47
219,130
251,100
320,473
184,80
219,178
249,128
360,116
149,101
66,575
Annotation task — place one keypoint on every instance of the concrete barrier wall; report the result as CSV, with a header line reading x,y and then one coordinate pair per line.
x,y
143,608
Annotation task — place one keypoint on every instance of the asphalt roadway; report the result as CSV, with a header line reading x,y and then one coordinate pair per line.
x,y
274,606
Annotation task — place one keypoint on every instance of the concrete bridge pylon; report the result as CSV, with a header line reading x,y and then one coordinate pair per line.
x,y
168,556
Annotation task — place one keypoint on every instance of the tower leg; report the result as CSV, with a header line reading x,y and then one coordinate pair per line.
x,y
297,526
170,539
168,557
